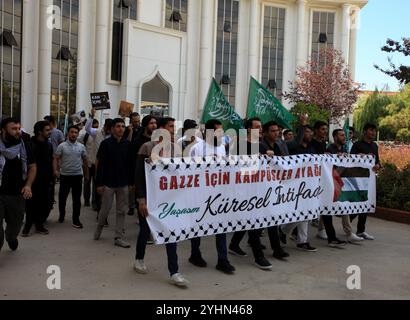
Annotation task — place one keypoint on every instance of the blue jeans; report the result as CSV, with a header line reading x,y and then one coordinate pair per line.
x,y
142,244
220,247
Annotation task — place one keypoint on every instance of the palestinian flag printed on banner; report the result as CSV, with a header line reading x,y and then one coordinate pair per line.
x,y
351,184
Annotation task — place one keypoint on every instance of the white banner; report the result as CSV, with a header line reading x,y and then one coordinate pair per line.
x,y
196,197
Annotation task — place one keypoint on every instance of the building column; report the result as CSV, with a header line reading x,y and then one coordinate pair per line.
x,y
102,45
206,52
253,39
353,41
346,32
44,61
85,63
29,69
301,49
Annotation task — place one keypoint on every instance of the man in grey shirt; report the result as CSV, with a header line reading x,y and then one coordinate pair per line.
x,y
70,164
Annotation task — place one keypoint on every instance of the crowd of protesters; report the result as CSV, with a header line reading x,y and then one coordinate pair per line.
x,y
103,163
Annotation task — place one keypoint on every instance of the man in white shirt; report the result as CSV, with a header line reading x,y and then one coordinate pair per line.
x,y
90,146
211,146
98,135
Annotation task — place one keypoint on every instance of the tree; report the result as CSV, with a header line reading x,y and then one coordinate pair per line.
x,y
325,83
314,112
390,113
401,73
370,109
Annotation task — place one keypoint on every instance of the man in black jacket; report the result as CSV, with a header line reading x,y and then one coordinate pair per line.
x,y
366,146
17,174
254,128
38,208
113,179
270,142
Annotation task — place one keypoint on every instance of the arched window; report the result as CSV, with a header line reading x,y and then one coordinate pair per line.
x,y
155,97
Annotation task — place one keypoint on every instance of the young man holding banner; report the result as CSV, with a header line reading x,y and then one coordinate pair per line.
x,y
211,146
303,146
154,149
254,130
271,133
366,146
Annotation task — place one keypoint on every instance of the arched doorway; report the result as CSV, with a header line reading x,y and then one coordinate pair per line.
x,y
155,97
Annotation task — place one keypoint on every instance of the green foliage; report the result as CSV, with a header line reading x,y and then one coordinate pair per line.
x,y
403,135
370,109
315,113
390,113
393,187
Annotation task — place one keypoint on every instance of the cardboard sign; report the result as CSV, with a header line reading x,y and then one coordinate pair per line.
x,y
126,108
100,101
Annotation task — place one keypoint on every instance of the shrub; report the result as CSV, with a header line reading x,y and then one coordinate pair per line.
x,y
393,187
403,135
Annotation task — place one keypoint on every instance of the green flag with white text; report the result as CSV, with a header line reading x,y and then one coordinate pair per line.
x,y
217,107
264,105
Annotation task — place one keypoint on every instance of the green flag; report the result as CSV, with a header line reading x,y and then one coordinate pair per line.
x,y
263,104
217,107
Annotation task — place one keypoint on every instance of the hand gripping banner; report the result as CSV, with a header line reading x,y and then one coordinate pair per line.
x,y
196,197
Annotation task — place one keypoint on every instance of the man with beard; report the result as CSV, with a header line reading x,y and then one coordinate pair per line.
x,y
70,165
149,125
270,142
254,137
133,130
17,174
39,206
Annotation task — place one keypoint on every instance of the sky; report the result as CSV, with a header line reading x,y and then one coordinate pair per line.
x,y
379,20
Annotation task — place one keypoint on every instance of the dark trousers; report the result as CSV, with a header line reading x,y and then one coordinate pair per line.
x,y
12,211
75,184
39,206
90,189
361,223
142,244
221,247
254,241
274,239
330,229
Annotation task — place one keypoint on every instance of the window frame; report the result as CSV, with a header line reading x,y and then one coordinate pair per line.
x,y
311,14
285,43
15,63
109,79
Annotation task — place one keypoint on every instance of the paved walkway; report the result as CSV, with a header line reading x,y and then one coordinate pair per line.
x,y
98,270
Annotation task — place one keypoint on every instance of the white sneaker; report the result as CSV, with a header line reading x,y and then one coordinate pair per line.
x,y
139,267
321,235
365,236
354,238
179,280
